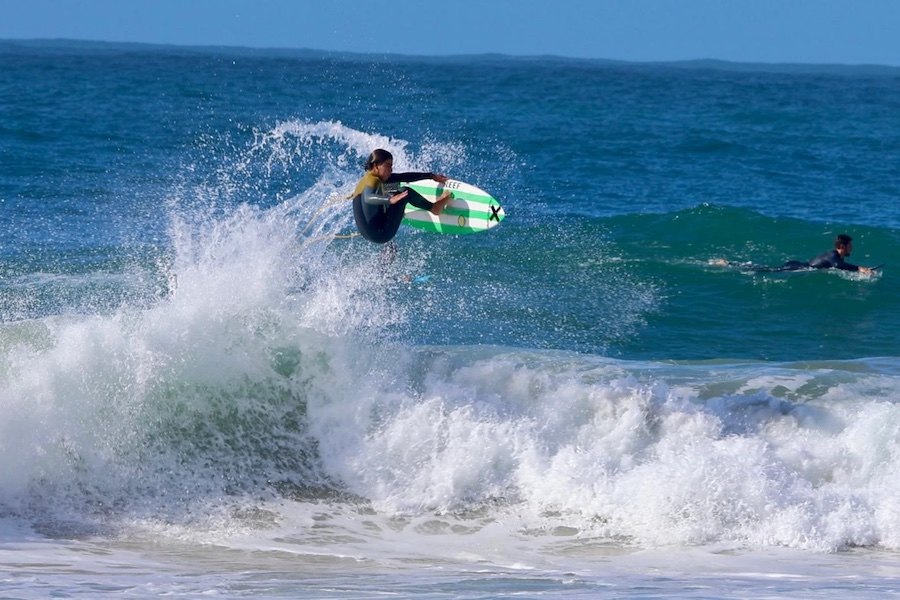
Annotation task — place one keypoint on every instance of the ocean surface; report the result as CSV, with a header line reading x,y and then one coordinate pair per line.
x,y
209,387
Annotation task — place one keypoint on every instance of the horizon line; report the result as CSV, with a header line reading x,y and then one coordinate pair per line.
x,y
707,61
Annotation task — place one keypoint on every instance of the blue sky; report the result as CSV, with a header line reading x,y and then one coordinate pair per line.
x,y
799,31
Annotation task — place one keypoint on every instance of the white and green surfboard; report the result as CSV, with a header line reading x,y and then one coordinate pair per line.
x,y
471,210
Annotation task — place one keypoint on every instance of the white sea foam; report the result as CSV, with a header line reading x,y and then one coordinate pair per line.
x,y
607,455
271,369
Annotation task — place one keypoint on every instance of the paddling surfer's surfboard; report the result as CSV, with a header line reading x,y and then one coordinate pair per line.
x,y
471,210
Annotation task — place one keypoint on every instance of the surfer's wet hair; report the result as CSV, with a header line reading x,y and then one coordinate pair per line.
x,y
842,241
377,157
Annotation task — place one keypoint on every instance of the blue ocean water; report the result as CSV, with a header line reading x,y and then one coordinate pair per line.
x,y
208,387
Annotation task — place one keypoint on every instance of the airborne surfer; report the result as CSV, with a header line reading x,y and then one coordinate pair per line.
x,y
378,207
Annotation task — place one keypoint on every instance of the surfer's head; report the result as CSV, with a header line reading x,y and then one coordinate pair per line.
x,y
381,163
843,243
378,157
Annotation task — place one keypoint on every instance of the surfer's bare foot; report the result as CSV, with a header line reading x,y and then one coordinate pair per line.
x,y
439,204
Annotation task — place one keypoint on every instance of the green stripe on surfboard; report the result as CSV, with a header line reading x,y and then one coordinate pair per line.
x,y
467,212
438,227
470,211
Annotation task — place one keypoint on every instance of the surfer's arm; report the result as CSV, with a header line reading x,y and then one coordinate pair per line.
x,y
832,260
372,197
415,176
840,263
836,261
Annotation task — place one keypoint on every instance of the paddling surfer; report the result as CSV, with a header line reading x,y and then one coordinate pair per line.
x,y
833,259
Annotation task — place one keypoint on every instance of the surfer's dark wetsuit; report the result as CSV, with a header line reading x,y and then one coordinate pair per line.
x,y
832,260
376,218
827,260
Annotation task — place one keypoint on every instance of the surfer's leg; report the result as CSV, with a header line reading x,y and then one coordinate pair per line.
x,y
439,204
372,222
419,201
793,265
390,222
721,262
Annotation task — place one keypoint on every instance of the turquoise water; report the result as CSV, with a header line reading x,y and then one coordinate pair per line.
x,y
200,373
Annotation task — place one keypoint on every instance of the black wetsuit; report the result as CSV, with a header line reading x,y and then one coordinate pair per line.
x,y
376,218
827,260
832,260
